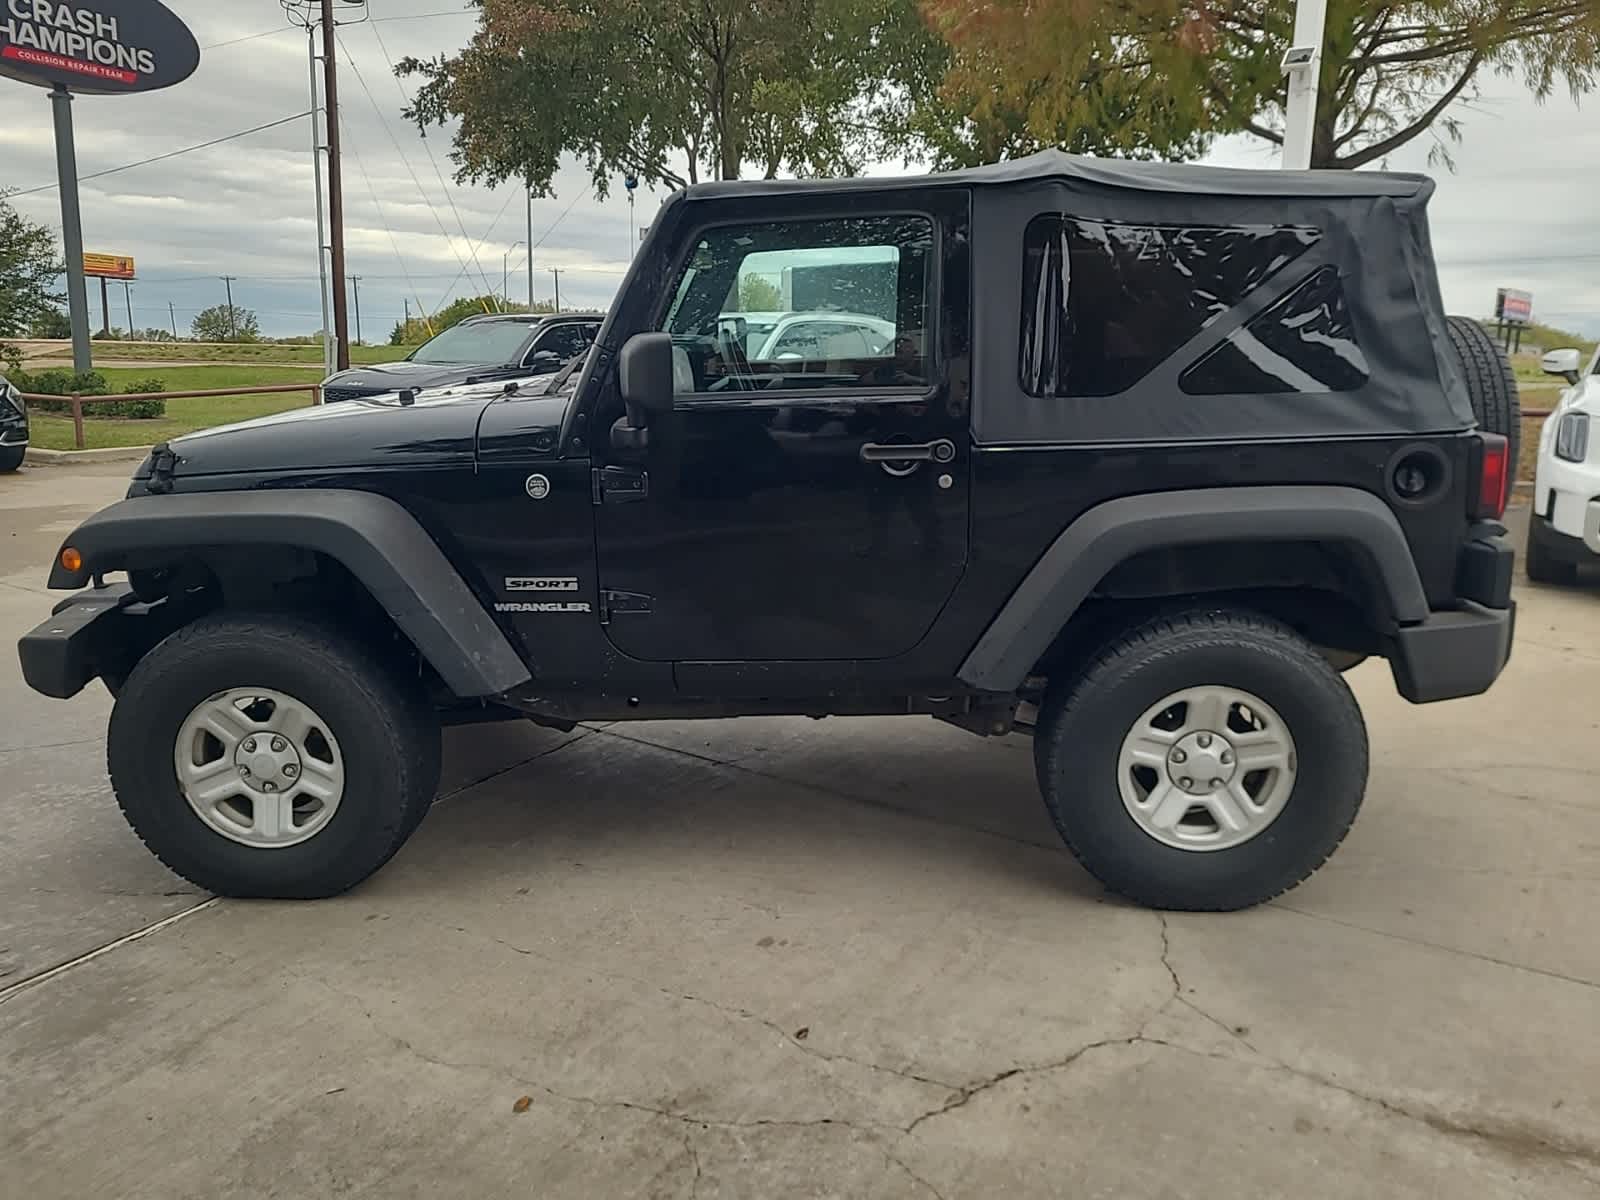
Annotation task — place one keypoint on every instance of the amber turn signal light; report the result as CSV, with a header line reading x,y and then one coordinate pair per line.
x,y
71,560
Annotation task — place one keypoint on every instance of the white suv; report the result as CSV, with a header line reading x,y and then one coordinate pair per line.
x,y
1565,530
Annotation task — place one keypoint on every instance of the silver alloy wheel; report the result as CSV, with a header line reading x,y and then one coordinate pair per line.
x,y
259,767
1207,768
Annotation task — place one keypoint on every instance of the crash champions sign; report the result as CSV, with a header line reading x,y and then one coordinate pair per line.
x,y
95,46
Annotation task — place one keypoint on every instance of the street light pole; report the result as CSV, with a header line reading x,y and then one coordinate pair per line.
x,y
505,272
556,271
1302,63
530,244
127,298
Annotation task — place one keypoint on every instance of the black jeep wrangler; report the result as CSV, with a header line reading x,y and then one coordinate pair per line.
x,y
1147,455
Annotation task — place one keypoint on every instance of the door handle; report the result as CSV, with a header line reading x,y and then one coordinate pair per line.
x,y
941,451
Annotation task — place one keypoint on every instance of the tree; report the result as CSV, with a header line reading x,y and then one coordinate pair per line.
x,y
419,329
219,323
28,271
638,86
759,294
1163,76
51,323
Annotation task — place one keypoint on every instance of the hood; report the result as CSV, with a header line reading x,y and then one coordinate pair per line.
x,y
1583,395
391,377
380,432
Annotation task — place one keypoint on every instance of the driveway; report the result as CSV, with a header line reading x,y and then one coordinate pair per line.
x,y
779,957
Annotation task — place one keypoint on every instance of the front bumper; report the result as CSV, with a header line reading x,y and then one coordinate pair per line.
x,y
78,641
1581,551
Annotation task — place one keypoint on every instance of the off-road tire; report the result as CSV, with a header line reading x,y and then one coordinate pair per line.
x,y
11,458
1491,384
1086,716
388,735
1544,567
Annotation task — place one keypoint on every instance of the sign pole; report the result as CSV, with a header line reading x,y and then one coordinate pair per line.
x,y
71,228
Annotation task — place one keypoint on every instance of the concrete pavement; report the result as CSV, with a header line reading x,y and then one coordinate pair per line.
x,y
776,957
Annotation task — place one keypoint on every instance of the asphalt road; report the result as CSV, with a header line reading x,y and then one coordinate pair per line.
x,y
774,958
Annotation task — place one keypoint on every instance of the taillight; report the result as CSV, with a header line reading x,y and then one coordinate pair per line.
x,y
1494,477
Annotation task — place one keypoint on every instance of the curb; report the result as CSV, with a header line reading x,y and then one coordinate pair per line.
x,y
62,458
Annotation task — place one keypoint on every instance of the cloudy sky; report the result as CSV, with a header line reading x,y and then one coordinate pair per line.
x,y
1522,209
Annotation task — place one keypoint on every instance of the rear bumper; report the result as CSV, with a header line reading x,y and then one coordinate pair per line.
x,y
1453,654
67,651
1461,651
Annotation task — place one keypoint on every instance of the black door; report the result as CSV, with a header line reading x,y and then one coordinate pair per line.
x,y
807,498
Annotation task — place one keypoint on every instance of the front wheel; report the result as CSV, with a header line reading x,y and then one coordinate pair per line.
x,y
271,757
1205,761
11,458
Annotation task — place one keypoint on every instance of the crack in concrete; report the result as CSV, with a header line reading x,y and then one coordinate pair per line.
x,y
1443,949
694,1157
906,1167
831,793
518,765
733,1011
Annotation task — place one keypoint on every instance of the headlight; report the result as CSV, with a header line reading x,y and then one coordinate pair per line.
x,y
1572,437
13,398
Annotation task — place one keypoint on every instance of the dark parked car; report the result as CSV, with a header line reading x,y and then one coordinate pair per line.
x,y
1152,453
13,427
498,346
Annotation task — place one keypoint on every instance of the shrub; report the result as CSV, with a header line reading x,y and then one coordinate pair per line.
x,y
60,382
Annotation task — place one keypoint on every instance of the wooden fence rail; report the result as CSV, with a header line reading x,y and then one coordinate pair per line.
x,y
76,400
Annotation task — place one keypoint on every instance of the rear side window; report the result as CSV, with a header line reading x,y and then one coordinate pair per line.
x,y
1302,344
1104,303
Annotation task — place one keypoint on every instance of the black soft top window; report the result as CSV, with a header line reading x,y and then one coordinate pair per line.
x,y
1104,303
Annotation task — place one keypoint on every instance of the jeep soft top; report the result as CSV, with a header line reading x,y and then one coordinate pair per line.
x,y
1153,453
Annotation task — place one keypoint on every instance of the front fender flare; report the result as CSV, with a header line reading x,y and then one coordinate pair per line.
x,y
372,536
1115,531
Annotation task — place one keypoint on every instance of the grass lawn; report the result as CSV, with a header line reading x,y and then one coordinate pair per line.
x,y
51,432
264,352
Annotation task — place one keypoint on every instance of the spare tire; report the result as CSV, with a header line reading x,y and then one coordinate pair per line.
x,y
1491,385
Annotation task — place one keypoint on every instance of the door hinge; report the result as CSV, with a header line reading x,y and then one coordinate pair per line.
x,y
620,485
612,602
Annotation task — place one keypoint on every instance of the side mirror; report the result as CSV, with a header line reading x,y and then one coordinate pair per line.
x,y
1565,363
542,362
644,373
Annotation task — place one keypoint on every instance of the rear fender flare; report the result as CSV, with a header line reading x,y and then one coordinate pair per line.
x,y
1111,533
372,536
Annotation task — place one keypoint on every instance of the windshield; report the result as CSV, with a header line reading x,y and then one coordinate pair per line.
x,y
487,342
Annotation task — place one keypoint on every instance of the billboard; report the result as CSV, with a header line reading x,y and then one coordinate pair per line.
x,y
1513,307
96,47
108,266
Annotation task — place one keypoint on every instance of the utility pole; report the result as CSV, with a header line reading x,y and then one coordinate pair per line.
x,y
556,271
530,243
355,284
233,317
341,316
127,298
329,351
407,326
172,315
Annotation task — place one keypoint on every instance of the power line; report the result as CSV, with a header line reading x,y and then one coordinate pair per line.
x,y
387,228
144,162
443,186
266,33
395,142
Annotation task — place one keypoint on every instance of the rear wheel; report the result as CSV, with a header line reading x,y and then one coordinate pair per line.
x,y
270,757
1491,384
11,458
1204,761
